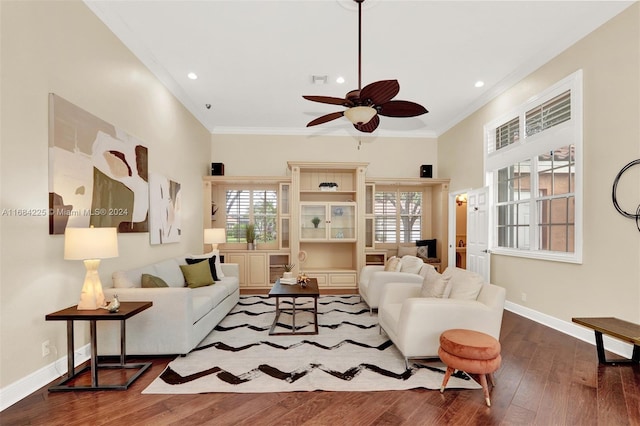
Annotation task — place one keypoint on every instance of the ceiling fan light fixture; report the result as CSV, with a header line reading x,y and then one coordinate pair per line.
x,y
360,114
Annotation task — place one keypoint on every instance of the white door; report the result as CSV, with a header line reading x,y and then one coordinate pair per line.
x,y
478,256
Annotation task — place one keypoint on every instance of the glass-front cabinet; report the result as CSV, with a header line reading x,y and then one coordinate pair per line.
x,y
334,221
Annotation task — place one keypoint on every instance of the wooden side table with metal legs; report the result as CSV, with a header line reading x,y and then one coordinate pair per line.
x,y
71,314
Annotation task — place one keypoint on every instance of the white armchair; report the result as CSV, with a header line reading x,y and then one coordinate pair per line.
x,y
414,323
373,278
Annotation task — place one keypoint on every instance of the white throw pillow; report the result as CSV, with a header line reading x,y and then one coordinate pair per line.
x,y
411,264
435,284
393,264
407,251
215,252
170,272
465,285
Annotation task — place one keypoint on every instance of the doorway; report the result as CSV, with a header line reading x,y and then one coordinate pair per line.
x,y
458,233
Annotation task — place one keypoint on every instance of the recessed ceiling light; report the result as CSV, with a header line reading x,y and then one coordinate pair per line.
x,y
479,83
192,76
340,80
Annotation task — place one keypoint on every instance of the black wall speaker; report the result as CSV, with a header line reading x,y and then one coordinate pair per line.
x,y
426,171
217,169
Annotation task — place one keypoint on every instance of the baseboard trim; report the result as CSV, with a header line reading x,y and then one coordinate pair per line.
x,y
24,387
612,345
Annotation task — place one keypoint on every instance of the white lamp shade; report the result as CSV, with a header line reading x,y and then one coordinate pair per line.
x,y
215,236
90,243
360,114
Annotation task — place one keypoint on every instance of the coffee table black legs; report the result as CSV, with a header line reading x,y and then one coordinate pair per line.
x,y
293,310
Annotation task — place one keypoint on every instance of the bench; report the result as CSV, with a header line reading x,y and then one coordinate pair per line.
x,y
620,329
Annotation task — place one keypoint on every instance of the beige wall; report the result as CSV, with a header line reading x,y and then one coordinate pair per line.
x,y
608,281
61,47
254,155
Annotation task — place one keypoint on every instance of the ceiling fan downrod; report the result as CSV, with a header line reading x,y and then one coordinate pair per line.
x,y
359,43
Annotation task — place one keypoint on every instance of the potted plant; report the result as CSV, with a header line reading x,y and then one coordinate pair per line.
x,y
315,221
287,270
251,236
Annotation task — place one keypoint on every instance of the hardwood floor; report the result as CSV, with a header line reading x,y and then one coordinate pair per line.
x,y
546,378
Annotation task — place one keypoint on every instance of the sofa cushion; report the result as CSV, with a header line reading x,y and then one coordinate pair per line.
x,y
465,285
151,281
202,305
411,264
393,264
435,284
197,275
231,285
169,271
212,265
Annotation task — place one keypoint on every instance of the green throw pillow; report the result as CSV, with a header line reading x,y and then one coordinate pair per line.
x,y
151,281
197,275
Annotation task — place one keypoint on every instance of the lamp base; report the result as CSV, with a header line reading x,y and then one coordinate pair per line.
x,y
91,297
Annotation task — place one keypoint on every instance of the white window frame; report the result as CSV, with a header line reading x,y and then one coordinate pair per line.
x,y
528,147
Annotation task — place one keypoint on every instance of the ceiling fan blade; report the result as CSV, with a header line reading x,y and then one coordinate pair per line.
x,y
401,109
370,126
380,92
329,100
325,118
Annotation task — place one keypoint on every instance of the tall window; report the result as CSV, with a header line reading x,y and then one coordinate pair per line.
x,y
257,206
398,216
536,179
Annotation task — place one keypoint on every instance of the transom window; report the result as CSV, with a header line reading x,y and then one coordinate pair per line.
x,y
536,179
398,216
256,205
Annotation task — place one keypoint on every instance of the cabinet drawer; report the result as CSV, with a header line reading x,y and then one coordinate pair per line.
x,y
342,280
322,278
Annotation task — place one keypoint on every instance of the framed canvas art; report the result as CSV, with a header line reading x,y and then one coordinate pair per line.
x,y
165,202
98,174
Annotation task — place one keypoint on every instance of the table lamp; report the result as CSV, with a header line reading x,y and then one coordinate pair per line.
x,y
90,245
215,236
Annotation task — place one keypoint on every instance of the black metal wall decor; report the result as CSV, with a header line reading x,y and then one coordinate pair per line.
x,y
614,197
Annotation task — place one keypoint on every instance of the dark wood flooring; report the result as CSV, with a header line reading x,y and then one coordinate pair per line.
x,y
546,378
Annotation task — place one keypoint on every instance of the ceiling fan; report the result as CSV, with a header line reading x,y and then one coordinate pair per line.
x,y
365,105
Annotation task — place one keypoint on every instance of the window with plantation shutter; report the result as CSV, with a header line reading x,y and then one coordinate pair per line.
x,y
508,133
549,114
537,182
398,216
251,205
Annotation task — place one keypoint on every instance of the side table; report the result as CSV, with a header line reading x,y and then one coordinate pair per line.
x,y
71,314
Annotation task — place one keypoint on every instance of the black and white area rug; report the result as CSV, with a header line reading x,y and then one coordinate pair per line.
x,y
348,354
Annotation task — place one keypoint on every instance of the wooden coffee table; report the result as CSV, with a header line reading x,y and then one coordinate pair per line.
x,y
620,329
294,291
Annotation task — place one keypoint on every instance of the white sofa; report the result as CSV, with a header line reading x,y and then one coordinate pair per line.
x,y
373,278
414,322
180,316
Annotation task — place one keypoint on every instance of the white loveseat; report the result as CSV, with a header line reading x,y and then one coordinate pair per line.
x,y
180,316
373,278
414,322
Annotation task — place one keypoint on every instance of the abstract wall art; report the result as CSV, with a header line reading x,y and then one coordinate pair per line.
x,y
98,174
164,220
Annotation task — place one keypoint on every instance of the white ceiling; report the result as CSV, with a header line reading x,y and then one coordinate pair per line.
x,y
255,59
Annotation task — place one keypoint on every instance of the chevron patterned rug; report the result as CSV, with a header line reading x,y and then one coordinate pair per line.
x,y
348,354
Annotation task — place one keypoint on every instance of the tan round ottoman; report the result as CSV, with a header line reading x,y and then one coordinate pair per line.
x,y
472,352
